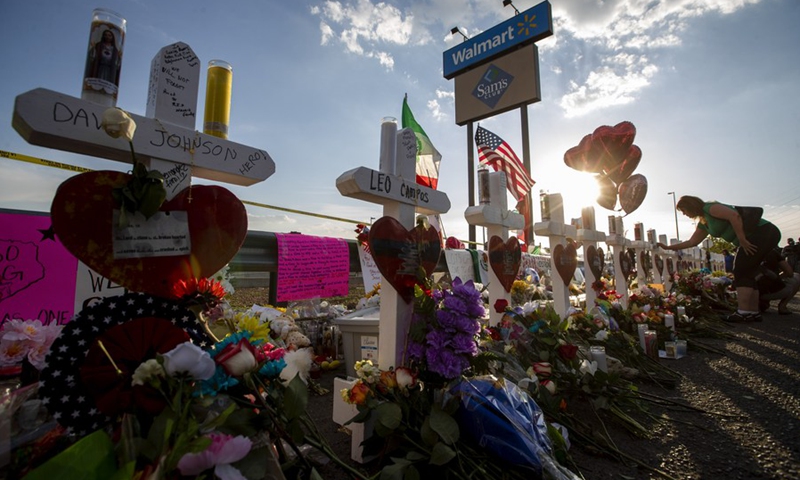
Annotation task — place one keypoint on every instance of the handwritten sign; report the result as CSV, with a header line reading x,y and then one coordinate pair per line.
x,y
37,274
165,234
311,267
90,287
463,264
387,189
369,270
174,77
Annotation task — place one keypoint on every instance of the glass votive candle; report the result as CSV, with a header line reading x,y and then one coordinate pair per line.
x,y
670,349
104,58
484,194
217,112
651,343
597,354
680,348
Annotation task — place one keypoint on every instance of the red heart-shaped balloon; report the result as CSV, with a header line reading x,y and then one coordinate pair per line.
x,y
566,261
625,168
632,192
583,157
659,263
613,143
606,192
399,253
82,213
505,257
595,259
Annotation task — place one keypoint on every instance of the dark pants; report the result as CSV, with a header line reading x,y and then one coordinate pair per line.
x,y
745,267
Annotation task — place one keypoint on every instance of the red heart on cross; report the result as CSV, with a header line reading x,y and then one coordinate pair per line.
x,y
595,259
82,212
505,258
399,253
625,264
566,261
659,263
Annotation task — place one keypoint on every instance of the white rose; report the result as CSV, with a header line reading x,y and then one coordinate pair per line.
x,y
188,357
117,123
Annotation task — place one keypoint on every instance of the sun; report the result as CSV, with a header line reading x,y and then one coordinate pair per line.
x,y
578,190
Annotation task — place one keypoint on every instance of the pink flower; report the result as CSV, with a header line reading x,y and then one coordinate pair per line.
x,y
23,330
11,352
224,450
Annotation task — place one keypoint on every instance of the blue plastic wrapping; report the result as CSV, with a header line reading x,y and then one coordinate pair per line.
x,y
505,420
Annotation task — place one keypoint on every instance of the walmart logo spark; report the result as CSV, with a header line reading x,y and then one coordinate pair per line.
x,y
526,25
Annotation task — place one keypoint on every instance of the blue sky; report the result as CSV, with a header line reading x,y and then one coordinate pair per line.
x,y
711,85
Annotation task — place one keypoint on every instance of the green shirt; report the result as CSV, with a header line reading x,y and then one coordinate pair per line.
x,y
717,227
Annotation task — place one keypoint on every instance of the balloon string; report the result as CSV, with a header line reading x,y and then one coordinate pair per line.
x,y
103,348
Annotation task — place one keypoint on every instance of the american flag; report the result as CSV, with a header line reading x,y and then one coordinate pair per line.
x,y
493,151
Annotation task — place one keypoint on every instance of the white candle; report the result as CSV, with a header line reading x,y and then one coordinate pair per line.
x,y
642,328
669,321
388,145
598,354
681,311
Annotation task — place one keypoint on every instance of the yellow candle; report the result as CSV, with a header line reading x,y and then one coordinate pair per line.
x,y
218,99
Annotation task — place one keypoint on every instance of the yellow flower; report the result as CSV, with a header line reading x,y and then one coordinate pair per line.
x,y
252,324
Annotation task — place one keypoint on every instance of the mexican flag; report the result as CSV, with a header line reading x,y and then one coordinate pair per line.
x,y
428,157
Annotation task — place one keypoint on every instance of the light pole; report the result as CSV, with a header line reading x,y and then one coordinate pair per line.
x,y
675,208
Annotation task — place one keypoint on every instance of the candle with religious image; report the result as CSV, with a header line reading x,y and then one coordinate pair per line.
x,y
544,203
104,58
217,111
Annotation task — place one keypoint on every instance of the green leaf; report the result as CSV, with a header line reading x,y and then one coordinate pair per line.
x,y
445,426
256,462
442,454
295,399
90,458
388,415
153,195
412,473
429,436
295,430
240,422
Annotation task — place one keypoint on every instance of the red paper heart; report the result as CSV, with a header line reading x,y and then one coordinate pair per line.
x,y
566,261
626,264
505,259
82,218
399,253
644,261
595,259
659,263
625,168
613,143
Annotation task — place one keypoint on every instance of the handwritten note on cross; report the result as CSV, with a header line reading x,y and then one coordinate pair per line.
x,y
165,138
394,186
497,219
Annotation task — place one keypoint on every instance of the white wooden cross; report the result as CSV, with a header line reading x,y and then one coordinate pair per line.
x,y
618,243
653,249
498,219
588,235
557,232
639,247
666,279
165,138
394,186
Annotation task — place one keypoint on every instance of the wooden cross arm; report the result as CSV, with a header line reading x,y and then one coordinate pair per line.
x,y
385,189
51,119
490,215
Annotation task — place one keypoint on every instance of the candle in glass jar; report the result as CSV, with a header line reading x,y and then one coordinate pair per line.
x,y
217,112
612,225
669,322
642,328
544,203
587,218
484,195
651,343
598,354
104,58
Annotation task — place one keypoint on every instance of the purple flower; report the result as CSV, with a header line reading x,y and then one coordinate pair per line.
x,y
437,339
446,363
464,344
415,350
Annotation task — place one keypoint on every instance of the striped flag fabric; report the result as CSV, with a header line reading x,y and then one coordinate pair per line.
x,y
495,152
428,157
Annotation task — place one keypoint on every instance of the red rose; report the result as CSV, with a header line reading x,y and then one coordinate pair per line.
x,y
568,352
500,305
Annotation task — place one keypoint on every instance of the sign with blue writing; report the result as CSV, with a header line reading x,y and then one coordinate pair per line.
x,y
529,26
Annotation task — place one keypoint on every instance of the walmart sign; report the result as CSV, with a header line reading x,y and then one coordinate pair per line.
x,y
533,24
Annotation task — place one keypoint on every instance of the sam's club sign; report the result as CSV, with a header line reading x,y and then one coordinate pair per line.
x,y
533,24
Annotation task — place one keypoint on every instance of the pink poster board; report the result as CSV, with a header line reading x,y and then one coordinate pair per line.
x,y
37,274
310,267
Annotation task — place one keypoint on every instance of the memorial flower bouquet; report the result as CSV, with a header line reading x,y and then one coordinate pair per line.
x,y
157,397
26,340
